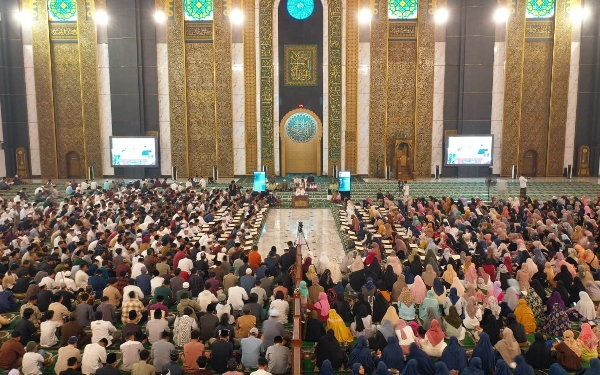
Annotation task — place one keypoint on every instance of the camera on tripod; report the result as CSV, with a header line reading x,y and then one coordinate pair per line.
x,y
300,226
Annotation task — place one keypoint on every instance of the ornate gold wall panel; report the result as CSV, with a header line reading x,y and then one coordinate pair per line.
x,y
89,86
378,92
424,95
250,86
513,68
67,104
266,83
177,80
200,67
402,57
535,109
335,83
223,97
43,89
351,84
561,62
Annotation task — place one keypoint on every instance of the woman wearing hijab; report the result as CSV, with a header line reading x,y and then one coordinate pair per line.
x,y
441,368
361,354
311,273
361,302
471,275
397,288
485,351
392,315
358,369
409,278
460,288
328,349
405,335
498,292
502,368
557,321
550,274
418,290
454,356
474,367
416,267
523,277
472,314
386,329
369,289
538,354
585,306
335,322
433,343
568,352
564,293
314,290
589,343
555,298
326,368
439,290
313,329
449,275
322,307
363,324
511,298
523,368
594,367
453,324
425,364
539,289
593,290
565,276
524,315
303,289
381,369
429,301
392,355
455,300
431,315
429,275
406,305
508,347
492,327
389,277
412,368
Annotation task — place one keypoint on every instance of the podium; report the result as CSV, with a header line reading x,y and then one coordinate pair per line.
x,y
300,201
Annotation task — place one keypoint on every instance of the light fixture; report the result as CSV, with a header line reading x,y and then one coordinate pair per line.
x,y
364,16
441,15
501,15
236,17
160,17
579,14
25,17
101,17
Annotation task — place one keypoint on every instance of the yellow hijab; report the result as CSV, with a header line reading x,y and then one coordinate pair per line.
x,y
340,331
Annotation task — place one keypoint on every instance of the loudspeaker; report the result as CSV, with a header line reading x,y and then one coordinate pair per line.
x,y
266,170
388,172
335,171
437,171
174,173
215,173
570,171
513,172
90,173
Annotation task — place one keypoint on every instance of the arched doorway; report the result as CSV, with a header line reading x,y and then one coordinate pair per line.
x,y
301,132
403,156
529,163
73,165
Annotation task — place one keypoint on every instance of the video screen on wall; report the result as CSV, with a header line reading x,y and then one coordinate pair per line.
x,y
469,150
133,151
344,177
260,182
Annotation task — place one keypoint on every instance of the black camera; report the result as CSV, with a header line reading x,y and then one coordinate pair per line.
x,y
300,225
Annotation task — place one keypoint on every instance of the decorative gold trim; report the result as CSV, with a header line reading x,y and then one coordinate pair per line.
x,y
334,34
539,29
152,133
198,31
63,31
403,30
251,137
283,133
351,85
291,52
267,104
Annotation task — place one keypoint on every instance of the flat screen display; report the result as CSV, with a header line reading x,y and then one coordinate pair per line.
x,y
344,177
260,182
133,152
469,150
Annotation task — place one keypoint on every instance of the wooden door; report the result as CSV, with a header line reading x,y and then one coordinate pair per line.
x,y
73,165
529,163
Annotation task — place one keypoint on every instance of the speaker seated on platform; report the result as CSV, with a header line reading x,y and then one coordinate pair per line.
x,y
174,173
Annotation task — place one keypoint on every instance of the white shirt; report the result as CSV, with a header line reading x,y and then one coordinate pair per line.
x,y
81,279
31,361
205,298
522,182
101,329
155,283
131,354
48,333
237,295
185,265
136,270
50,284
94,355
136,289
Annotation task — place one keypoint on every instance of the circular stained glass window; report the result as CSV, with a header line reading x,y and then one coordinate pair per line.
x,y
300,9
540,8
403,9
301,127
62,10
198,10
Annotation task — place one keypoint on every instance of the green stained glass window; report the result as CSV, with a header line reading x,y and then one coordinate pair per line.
x,y
198,10
301,127
403,9
540,8
62,10
300,9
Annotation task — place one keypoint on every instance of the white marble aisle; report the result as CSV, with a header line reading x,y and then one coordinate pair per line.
x,y
319,228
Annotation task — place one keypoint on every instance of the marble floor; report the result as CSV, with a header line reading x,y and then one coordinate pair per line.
x,y
318,227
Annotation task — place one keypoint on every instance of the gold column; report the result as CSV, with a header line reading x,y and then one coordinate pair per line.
x,y
43,89
177,92
89,84
267,104
513,68
378,91
250,86
223,96
334,34
424,85
561,62
351,84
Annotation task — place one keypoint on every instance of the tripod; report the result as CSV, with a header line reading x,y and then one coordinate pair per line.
x,y
301,240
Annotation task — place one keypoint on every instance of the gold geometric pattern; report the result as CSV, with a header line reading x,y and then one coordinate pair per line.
x,y
89,89
424,96
378,91
335,83
266,83
250,86
351,84
515,45
300,65
223,97
560,90
535,108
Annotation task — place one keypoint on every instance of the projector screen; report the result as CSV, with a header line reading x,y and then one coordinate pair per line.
x,y
260,182
469,150
133,151
344,177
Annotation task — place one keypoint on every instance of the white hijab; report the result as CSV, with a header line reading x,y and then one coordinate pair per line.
x,y
585,306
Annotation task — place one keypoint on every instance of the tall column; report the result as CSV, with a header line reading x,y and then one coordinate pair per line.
x,y
275,77
364,94
164,117
572,97
498,94
32,117
104,94
239,98
439,73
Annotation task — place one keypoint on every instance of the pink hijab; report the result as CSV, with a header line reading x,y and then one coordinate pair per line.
x,y
435,335
418,290
471,275
324,303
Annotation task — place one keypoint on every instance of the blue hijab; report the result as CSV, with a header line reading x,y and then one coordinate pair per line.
x,y
356,368
485,352
408,276
361,354
369,285
594,367
411,368
425,364
438,286
555,369
453,296
441,369
326,368
503,369
523,368
474,367
454,356
381,369
392,355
